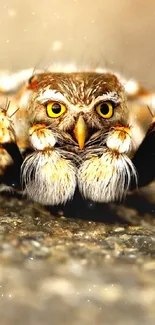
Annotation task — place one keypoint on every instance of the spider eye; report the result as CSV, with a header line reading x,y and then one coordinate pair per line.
x,y
55,109
105,109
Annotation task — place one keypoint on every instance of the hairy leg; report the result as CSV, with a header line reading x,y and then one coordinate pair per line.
x,y
10,156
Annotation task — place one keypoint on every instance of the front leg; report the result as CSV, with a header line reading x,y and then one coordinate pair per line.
x,y
107,171
48,174
144,159
10,156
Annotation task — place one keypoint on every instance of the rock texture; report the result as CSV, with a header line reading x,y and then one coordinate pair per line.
x,y
56,269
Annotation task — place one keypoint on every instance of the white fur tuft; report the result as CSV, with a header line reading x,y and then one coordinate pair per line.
x,y
106,178
48,178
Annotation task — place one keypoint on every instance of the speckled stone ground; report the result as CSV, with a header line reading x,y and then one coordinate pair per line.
x,y
64,270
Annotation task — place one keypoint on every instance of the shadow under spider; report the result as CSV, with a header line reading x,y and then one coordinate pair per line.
x,y
103,212
112,213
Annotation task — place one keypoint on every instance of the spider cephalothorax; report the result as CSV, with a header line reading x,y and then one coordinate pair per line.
x,y
79,133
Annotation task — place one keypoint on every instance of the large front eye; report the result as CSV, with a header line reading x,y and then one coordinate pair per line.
x,y
105,109
55,109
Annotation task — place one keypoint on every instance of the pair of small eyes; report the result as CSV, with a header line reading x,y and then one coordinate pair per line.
x,y
104,109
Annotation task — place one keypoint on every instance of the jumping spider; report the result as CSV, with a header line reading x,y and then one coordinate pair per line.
x,y
88,130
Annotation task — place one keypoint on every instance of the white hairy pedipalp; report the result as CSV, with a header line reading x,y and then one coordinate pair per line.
x,y
106,178
48,178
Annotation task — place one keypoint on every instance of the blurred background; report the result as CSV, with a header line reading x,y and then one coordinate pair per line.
x,y
102,33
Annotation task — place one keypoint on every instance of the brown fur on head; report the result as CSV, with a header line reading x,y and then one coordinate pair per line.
x,y
80,92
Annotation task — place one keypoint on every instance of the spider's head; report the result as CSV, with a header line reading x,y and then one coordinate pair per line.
x,y
82,105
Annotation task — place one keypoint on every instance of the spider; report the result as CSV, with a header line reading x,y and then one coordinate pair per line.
x,y
59,131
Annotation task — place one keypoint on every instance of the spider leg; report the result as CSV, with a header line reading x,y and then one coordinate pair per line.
x,y
14,142
144,158
11,177
10,156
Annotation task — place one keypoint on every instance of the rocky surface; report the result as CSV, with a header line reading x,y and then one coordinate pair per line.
x,y
56,269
